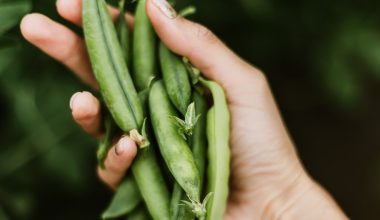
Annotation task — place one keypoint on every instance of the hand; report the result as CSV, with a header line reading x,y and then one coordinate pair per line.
x,y
267,179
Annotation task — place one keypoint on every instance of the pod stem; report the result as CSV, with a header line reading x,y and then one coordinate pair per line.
x,y
199,209
185,127
189,10
141,139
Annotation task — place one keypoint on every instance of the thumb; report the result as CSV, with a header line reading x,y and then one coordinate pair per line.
x,y
194,41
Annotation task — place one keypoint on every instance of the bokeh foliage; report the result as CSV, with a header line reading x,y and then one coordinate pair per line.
x,y
322,59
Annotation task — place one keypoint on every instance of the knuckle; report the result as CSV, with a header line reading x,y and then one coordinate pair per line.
x,y
205,34
70,53
260,80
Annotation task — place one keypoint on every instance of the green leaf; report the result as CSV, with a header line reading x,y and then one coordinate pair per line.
x,y
126,199
11,12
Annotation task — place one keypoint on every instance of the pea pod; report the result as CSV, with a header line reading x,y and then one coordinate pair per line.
x,y
109,67
126,198
198,146
152,186
198,143
218,127
176,79
199,139
185,214
123,33
173,147
144,48
177,210
106,142
122,100
177,196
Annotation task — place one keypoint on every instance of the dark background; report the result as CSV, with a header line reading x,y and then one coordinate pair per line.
x,y
322,59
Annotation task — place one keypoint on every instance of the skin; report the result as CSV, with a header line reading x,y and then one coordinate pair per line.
x,y
268,180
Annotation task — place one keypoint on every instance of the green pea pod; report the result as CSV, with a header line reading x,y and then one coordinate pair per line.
x,y
198,139
106,142
144,48
177,196
122,100
109,67
140,213
123,33
176,79
126,198
218,130
143,94
152,186
173,147
185,214
178,211
198,143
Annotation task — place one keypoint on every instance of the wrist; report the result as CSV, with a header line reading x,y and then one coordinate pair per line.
x,y
305,199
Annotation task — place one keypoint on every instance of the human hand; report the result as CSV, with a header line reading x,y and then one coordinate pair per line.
x,y
267,178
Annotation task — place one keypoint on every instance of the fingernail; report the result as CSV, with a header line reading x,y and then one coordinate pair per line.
x,y
165,8
72,100
122,145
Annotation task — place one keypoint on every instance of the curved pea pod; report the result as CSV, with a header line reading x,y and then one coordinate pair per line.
x,y
178,211
185,214
199,139
218,128
176,80
122,100
144,48
126,198
198,144
152,186
106,142
123,33
173,147
177,196
109,67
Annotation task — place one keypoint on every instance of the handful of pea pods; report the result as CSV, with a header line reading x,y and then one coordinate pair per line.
x,y
157,98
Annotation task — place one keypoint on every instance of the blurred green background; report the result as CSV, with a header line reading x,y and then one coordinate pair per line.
x,y
322,59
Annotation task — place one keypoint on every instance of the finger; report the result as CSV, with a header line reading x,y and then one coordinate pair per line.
x,y
118,161
200,45
86,112
60,43
71,10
